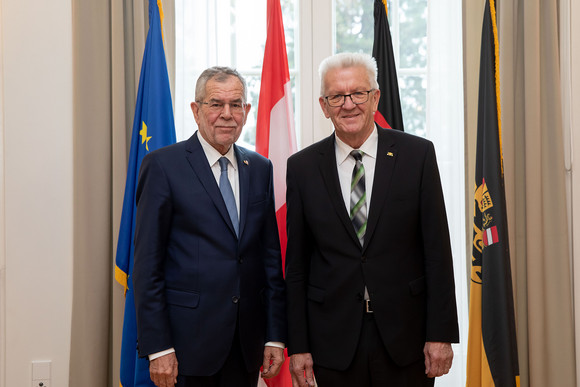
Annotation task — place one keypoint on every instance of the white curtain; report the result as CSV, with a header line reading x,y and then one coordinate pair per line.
x,y
217,33
446,128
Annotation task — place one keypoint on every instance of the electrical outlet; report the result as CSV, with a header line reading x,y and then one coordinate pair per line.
x,y
41,373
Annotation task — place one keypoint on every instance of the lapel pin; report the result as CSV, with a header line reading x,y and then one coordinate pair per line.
x,y
246,162
390,154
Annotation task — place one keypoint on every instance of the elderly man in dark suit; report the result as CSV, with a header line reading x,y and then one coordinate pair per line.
x,y
369,275
209,291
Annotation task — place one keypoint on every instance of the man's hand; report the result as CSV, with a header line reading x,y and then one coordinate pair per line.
x,y
438,358
301,370
163,370
273,360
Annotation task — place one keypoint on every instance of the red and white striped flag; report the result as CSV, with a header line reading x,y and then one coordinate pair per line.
x,y
275,136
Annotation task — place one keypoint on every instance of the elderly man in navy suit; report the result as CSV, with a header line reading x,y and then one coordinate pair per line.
x,y
209,291
369,275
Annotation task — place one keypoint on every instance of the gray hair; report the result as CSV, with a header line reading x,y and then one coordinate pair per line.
x,y
345,60
219,74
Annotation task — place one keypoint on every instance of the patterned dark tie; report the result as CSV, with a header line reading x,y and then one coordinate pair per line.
x,y
358,196
228,193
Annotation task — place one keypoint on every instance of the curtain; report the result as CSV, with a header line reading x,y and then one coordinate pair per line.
x,y
535,177
108,50
127,40
89,362
445,129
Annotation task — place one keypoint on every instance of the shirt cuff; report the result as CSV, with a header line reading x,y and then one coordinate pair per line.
x,y
154,356
276,344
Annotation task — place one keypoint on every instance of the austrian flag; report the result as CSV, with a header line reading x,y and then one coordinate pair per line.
x,y
490,236
275,137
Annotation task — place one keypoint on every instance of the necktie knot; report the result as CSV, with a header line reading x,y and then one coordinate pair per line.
x,y
357,154
223,163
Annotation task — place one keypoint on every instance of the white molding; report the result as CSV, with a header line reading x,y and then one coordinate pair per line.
x,y
2,220
306,74
316,43
570,59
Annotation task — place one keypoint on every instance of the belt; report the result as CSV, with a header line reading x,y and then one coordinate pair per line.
x,y
368,306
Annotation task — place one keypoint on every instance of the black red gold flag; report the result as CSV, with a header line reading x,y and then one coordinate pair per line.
x,y
492,358
389,113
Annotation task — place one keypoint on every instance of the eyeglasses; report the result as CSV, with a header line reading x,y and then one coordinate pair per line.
x,y
218,107
358,97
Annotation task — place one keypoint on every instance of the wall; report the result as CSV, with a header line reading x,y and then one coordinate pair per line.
x,y
37,186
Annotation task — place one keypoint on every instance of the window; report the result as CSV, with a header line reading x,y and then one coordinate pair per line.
x,y
354,31
226,33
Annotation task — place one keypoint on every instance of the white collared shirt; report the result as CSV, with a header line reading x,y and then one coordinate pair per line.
x,y
213,156
345,164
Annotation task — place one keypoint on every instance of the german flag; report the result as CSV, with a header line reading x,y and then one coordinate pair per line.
x,y
389,113
492,358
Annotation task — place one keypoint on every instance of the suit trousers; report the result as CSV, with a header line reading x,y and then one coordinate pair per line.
x,y
233,373
372,365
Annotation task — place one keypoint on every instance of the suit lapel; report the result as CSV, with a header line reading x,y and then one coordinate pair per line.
x,y
198,161
385,164
329,172
244,180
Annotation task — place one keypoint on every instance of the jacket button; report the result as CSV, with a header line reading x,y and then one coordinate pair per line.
x,y
241,260
363,259
235,299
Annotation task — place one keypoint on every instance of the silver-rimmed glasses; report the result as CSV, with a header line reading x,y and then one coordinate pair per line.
x,y
218,106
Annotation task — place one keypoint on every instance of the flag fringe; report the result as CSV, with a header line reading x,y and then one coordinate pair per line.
x,y
121,278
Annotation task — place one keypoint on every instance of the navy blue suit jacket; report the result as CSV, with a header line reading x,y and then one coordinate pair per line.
x,y
193,278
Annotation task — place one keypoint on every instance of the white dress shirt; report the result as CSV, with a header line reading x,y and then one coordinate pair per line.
x,y
345,164
213,157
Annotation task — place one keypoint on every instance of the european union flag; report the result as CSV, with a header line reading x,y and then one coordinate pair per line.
x,y
153,128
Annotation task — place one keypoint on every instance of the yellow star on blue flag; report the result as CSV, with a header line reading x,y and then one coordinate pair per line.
x,y
144,138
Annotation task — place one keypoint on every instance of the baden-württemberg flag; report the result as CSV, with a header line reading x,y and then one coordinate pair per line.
x,y
153,128
492,358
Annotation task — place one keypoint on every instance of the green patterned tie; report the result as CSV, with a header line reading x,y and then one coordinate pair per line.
x,y
358,197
